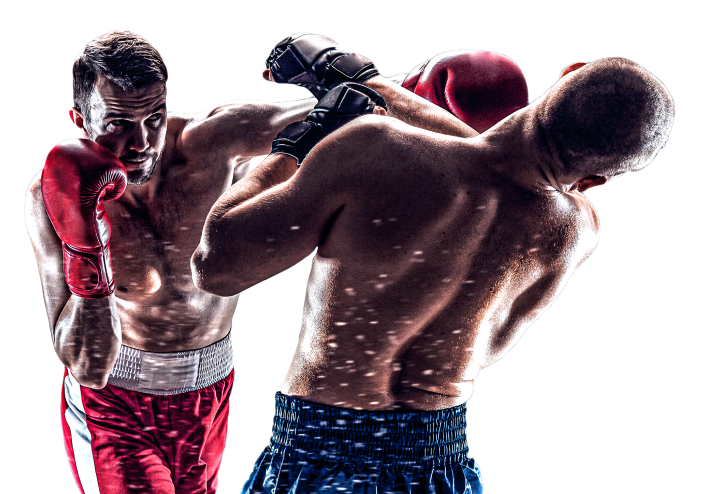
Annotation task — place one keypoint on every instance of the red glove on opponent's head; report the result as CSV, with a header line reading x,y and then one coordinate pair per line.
x,y
479,87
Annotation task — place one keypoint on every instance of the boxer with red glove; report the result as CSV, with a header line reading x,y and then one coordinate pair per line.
x,y
479,87
79,175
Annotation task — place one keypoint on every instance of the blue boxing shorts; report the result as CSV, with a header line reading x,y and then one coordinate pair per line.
x,y
318,448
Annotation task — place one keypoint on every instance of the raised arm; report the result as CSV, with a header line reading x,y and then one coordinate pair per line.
x,y
74,268
315,62
268,221
418,112
238,131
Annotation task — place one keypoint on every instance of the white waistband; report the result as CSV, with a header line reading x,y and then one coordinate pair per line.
x,y
174,372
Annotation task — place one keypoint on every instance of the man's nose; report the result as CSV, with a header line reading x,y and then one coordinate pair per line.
x,y
139,141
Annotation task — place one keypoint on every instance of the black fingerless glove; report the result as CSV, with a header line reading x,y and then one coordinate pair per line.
x,y
312,61
337,108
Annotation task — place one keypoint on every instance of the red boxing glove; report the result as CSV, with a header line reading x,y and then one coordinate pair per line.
x,y
78,176
479,87
572,68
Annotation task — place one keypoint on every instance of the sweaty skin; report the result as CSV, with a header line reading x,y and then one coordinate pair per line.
x,y
435,253
191,160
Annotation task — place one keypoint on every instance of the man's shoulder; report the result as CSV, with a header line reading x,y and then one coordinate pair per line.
x,y
36,220
363,141
570,221
177,122
202,134
377,136
33,196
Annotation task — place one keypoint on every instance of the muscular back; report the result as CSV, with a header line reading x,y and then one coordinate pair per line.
x,y
430,270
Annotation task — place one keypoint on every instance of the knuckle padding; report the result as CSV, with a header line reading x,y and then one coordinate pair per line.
x,y
295,131
288,67
353,101
351,64
310,47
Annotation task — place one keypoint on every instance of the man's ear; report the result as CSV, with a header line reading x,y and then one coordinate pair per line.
x,y
588,182
572,68
79,120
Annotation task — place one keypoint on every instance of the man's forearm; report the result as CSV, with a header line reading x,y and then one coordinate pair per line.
x,y
416,111
87,338
273,170
206,268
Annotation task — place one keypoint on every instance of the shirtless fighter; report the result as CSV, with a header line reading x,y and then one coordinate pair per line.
x,y
113,220
434,255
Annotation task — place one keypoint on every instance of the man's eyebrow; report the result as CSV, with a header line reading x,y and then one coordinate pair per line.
x,y
115,114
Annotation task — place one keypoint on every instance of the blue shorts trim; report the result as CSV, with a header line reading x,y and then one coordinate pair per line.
x,y
318,448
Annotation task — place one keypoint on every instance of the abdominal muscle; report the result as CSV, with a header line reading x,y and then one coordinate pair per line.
x,y
173,319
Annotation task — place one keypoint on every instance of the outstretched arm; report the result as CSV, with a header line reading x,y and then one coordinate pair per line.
x,y
315,62
418,112
235,132
269,221
256,229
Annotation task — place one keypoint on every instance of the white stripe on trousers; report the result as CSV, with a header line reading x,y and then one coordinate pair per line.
x,y
80,436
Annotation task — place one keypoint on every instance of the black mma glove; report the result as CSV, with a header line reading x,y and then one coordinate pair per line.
x,y
337,108
312,61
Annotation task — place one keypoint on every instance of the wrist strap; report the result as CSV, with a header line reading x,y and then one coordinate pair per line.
x,y
88,272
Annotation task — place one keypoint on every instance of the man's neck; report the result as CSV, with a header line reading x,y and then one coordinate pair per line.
x,y
518,148
138,195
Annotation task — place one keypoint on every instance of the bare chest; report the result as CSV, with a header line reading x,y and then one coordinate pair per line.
x,y
154,236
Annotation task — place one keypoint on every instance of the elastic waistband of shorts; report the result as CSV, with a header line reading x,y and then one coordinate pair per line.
x,y
361,436
174,372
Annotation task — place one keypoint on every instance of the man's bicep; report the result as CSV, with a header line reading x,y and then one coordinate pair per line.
x,y
247,242
259,238
48,250
241,130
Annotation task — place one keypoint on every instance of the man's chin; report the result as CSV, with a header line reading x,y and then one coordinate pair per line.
x,y
141,175
137,178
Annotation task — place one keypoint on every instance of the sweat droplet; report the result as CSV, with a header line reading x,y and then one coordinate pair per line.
x,y
295,227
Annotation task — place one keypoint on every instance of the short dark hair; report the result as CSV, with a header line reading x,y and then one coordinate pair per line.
x,y
612,117
124,58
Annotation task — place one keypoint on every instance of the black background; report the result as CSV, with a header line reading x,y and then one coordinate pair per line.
x,y
584,403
